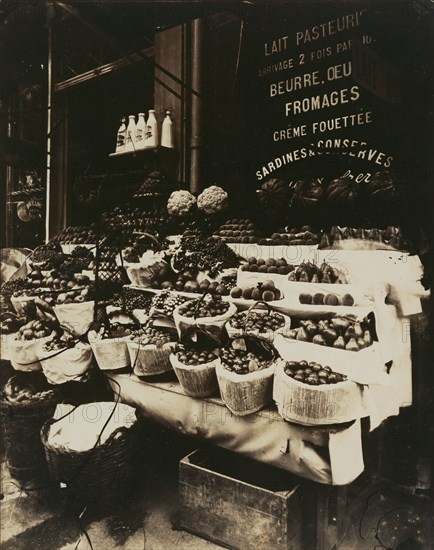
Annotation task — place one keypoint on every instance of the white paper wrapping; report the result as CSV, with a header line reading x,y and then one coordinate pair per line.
x,y
67,366
77,318
79,430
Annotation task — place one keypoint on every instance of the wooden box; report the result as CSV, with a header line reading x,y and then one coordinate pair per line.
x,y
239,504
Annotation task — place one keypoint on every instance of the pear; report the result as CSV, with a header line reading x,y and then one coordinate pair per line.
x,y
340,324
318,339
326,278
329,336
339,343
352,345
358,331
292,334
325,241
292,276
314,278
359,233
361,343
304,277
334,231
346,233
302,335
367,338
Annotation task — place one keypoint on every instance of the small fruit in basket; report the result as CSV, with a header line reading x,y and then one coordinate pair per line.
x,y
257,322
148,335
319,340
193,357
243,362
36,329
301,372
210,306
257,294
167,301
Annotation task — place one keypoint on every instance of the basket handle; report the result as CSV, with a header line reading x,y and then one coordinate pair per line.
x,y
199,302
252,307
143,235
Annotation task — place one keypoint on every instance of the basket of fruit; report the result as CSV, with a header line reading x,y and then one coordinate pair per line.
x,y
311,394
195,370
75,310
149,349
208,313
263,322
109,345
23,348
27,401
348,342
9,326
64,359
245,374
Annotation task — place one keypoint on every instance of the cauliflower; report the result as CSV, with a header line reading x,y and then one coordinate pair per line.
x,y
180,203
212,200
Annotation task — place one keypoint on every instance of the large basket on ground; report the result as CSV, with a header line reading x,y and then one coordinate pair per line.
x,y
103,474
22,422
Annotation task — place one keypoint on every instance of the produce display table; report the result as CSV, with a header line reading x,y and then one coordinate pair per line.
x,y
330,455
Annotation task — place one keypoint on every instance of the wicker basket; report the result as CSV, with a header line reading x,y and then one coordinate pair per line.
x,y
68,365
77,318
150,360
269,334
196,380
110,353
23,354
214,326
22,422
245,393
104,474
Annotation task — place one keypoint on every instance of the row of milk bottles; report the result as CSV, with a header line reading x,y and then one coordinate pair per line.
x,y
144,133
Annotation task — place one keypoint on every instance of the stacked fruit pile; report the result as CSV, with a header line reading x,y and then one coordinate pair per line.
x,y
270,265
266,291
391,236
312,373
338,332
132,299
238,231
320,298
36,329
308,272
293,236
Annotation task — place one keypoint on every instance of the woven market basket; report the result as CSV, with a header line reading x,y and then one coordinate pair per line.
x,y
150,360
214,326
22,423
316,405
68,365
196,380
269,334
23,354
110,353
104,474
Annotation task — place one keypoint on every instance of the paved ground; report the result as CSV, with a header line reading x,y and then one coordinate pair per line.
x,y
41,519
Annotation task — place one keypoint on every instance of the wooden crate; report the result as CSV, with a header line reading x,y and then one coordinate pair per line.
x,y
239,504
